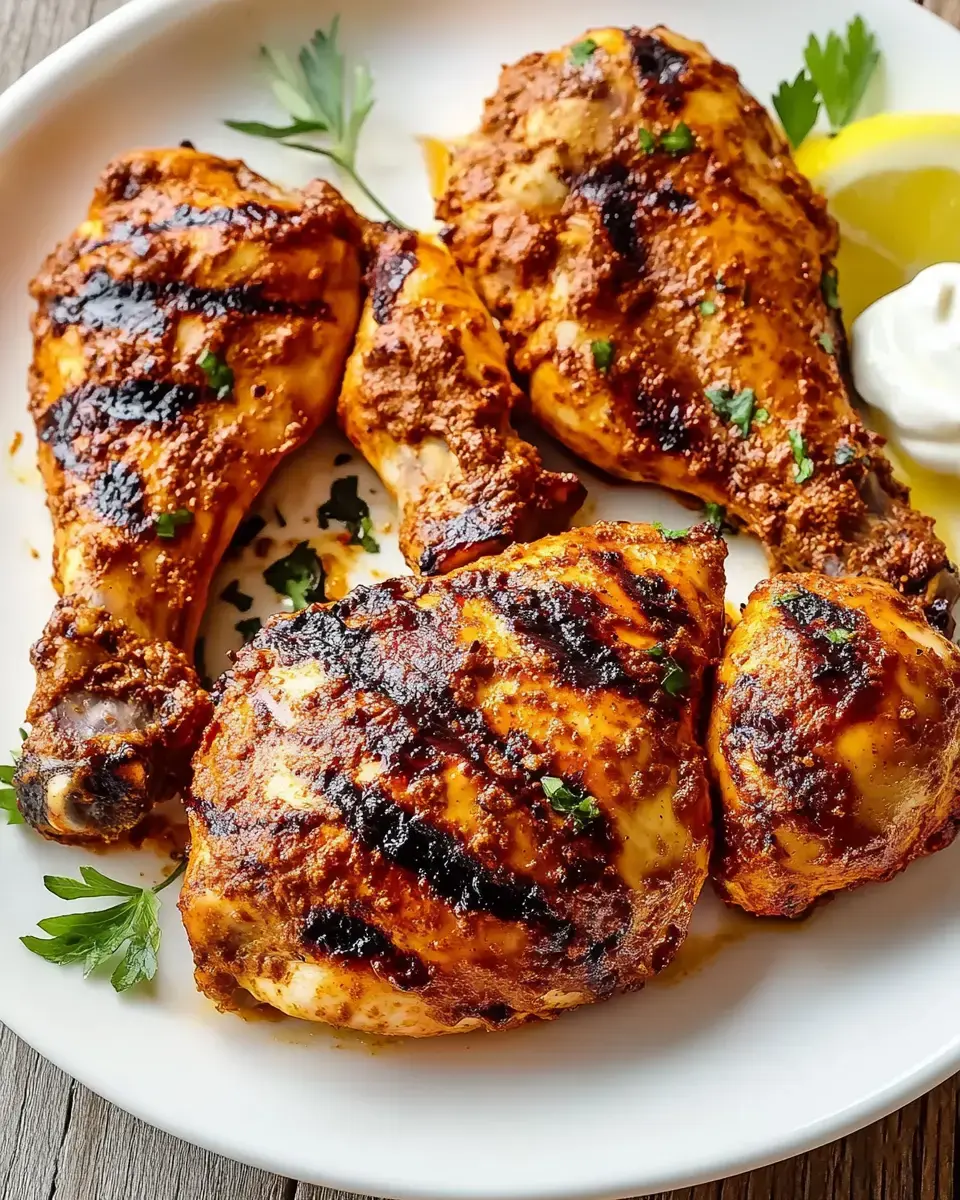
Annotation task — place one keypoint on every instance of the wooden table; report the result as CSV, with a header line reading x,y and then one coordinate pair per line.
x,y
60,1142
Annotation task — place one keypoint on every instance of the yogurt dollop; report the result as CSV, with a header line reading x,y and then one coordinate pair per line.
x,y
906,363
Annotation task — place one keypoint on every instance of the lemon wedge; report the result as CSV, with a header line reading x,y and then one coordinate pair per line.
x,y
893,184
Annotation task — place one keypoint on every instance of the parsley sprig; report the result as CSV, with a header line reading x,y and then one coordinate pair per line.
x,y
299,575
675,678
8,797
570,800
347,506
93,938
322,96
804,463
739,408
835,74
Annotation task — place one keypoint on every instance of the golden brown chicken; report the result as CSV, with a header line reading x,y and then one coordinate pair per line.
x,y
834,742
190,333
664,278
462,802
427,398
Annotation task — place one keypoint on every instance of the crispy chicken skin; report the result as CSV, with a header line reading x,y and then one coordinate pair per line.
x,y
834,742
372,845
427,399
184,260
631,279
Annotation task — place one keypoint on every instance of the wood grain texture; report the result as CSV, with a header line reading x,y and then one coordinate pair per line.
x,y
60,1142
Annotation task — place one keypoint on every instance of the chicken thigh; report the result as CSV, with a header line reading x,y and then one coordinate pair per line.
x,y
462,802
834,741
427,398
190,333
664,278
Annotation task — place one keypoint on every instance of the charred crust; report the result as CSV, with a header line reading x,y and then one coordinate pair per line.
x,y
117,495
657,64
613,191
342,935
395,260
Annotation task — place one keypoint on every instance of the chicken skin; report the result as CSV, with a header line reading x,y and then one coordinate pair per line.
x,y
190,333
664,278
834,742
463,802
427,399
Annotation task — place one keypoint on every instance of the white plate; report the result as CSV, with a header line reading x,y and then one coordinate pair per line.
x,y
783,1038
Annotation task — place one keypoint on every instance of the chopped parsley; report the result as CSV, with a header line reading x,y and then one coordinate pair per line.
x,y
829,289
708,307
299,575
715,515
787,597
739,408
840,636
218,373
844,453
826,342
281,519
804,468
602,352
672,535
648,143
232,594
570,800
679,140
169,522
342,459
249,528
675,678
582,52
346,505
248,628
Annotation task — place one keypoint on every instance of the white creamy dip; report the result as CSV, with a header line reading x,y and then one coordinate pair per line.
x,y
906,363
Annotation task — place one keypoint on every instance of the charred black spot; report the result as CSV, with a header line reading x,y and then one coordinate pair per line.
x,y
656,62
494,1014
473,527
117,495
839,665
661,604
663,417
613,190
343,936
939,613
436,857
220,822
668,197
247,216
146,307
391,267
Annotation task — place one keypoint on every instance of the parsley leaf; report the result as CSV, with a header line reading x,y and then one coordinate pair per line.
x,y
829,289
347,506
8,797
232,594
675,678
248,628
739,408
93,938
169,522
299,575
322,97
708,307
679,140
672,535
841,70
581,52
218,372
797,107
602,352
249,528
839,636
804,462
648,143
826,342
715,515
570,800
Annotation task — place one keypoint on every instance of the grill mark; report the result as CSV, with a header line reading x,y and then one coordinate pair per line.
x,y
344,936
473,527
394,262
117,494
147,306
93,407
436,857
613,190
840,667
186,216
661,604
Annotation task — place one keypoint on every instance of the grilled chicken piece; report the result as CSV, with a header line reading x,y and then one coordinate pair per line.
x,y
427,399
662,273
372,840
834,742
190,333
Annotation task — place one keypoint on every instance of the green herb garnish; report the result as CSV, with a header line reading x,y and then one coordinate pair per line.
x,y
218,373
804,463
581,52
8,797
675,678
320,101
248,529
672,535
739,408
299,575
787,597
248,628
826,342
602,352
679,140
648,143
169,522
707,308
346,505
570,800
715,515
829,289
836,74
93,938
232,594
840,636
